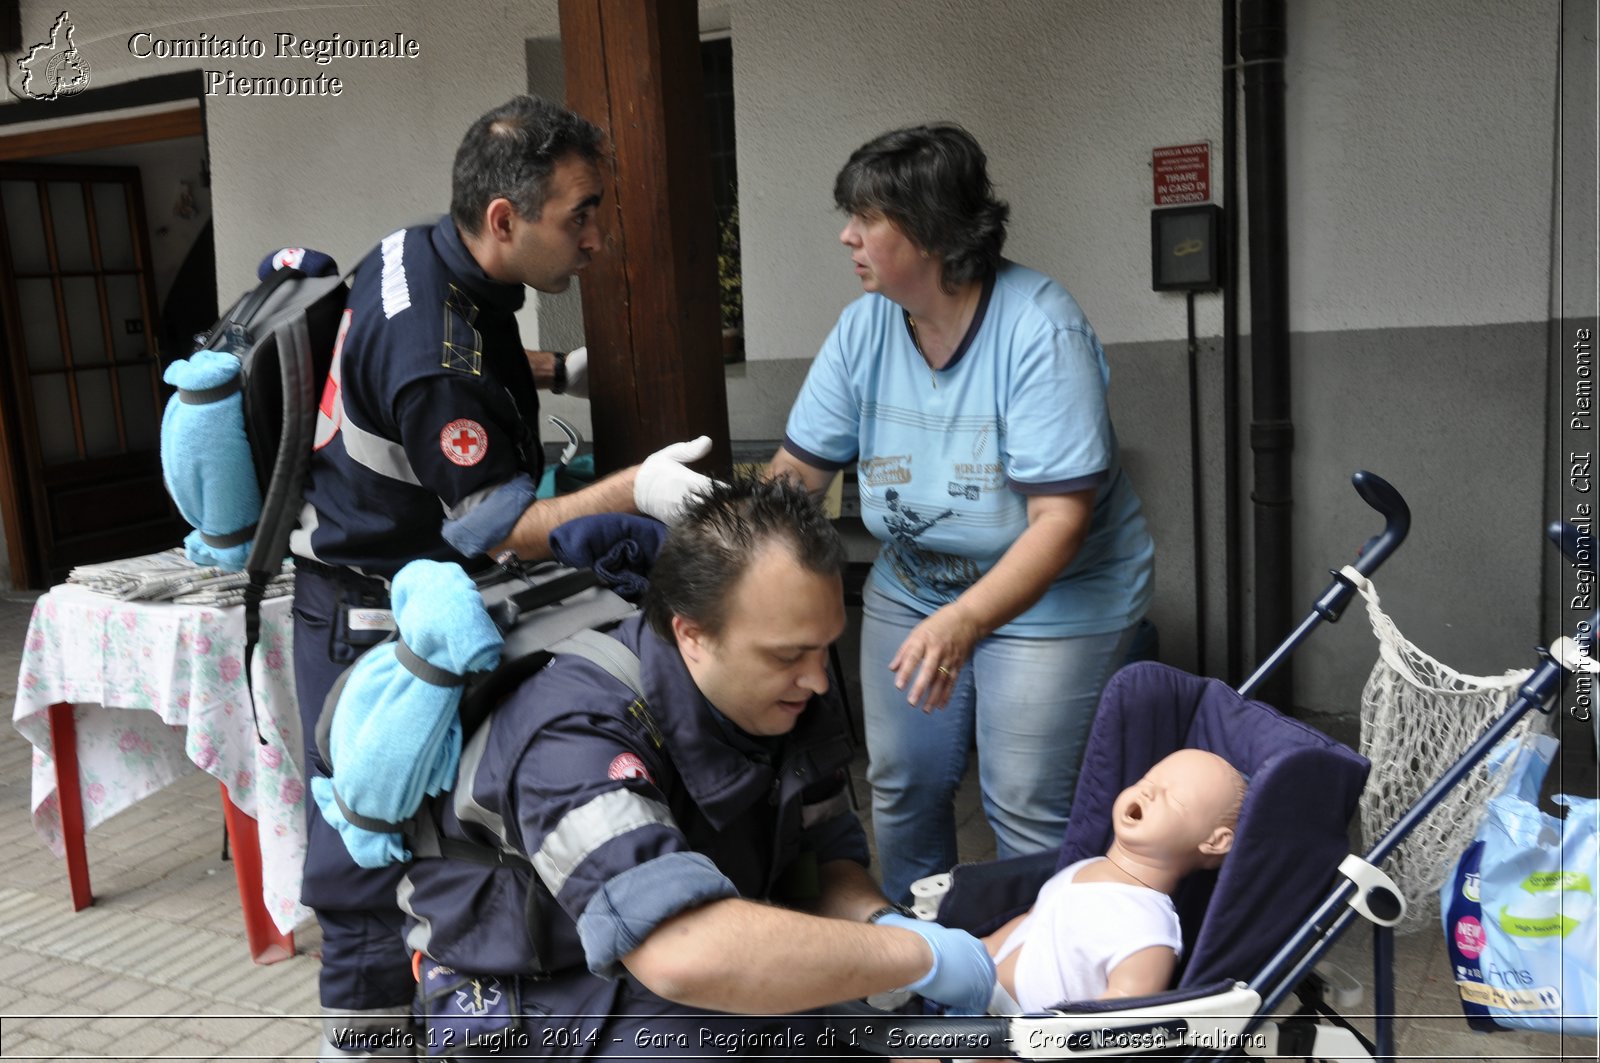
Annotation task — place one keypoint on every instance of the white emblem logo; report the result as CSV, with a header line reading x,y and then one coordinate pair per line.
x,y
54,68
479,1000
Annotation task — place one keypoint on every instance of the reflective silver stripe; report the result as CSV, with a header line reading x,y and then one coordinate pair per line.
x,y
300,546
300,538
383,456
466,806
824,810
420,936
396,295
470,503
606,653
588,827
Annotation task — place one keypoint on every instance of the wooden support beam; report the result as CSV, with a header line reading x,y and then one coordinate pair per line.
x,y
111,133
650,301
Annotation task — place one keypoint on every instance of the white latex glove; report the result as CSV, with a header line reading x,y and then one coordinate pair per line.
x,y
664,486
578,373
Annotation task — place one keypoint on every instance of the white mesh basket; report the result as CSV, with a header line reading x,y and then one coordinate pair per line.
x,y
1417,717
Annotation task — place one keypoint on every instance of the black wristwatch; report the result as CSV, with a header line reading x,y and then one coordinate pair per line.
x,y
891,909
558,379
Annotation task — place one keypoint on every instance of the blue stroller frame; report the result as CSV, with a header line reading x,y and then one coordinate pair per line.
x,y
1247,943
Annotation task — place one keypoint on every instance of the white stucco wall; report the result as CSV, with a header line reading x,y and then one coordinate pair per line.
x,y
1422,137
1065,98
1420,140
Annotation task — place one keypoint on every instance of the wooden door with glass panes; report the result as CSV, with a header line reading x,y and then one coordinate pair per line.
x,y
82,365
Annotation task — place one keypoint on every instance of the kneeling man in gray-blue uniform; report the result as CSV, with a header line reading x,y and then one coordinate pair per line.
x,y
693,860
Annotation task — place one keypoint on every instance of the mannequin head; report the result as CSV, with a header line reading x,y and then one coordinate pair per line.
x,y
1180,816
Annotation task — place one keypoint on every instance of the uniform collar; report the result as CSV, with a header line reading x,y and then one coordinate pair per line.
x,y
483,288
719,765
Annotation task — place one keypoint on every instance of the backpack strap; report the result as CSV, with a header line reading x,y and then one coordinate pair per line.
x,y
429,673
605,652
236,326
619,662
377,826
280,495
283,491
506,613
206,396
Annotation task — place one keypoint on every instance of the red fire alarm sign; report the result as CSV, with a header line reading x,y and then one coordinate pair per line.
x,y
1182,174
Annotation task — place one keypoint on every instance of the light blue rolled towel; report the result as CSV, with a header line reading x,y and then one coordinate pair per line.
x,y
395,736
205,460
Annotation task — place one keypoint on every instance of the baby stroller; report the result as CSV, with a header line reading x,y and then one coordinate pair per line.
x,y
1247,942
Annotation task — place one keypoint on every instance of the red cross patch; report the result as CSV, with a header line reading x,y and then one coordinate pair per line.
x,y
629,766
464,442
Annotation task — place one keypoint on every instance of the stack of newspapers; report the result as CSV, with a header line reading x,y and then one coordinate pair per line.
x,y
171,577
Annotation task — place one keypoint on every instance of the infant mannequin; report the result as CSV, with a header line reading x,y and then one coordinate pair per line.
x,y
1106,926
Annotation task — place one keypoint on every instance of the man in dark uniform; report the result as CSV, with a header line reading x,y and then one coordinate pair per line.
x,y
427,448
658,813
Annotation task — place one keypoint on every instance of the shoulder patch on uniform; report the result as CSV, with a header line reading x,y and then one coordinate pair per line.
x,y
464,441
629,766
463,343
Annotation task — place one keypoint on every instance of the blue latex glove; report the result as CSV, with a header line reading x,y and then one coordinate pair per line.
x,y
962,976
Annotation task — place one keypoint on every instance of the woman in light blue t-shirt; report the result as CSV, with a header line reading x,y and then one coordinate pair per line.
x,y
971,393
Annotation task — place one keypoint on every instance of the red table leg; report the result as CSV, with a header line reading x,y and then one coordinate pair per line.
x,y
69,797
267,943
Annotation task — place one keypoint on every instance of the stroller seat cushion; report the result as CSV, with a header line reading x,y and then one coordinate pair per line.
x,y
1293,827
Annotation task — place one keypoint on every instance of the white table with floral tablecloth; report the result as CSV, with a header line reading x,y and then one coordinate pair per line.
x,y
182,667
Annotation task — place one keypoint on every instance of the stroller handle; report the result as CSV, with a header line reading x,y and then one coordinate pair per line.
x,y
1376,492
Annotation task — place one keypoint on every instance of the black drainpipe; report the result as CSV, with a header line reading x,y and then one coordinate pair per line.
x,y
1261,47
1233,565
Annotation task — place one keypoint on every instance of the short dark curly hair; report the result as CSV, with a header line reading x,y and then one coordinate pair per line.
x,y
710,548
932,182
510,152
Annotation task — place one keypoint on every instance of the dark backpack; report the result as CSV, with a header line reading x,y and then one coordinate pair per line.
x,y
550,610
283,333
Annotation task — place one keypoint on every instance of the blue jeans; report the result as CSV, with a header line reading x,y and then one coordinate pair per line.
x,y
1030,703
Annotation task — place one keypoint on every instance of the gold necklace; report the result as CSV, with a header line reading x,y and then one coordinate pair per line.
x,y
916,341
1130,874
969,304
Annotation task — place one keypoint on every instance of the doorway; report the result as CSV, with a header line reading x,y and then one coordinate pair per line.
x,y
87,306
